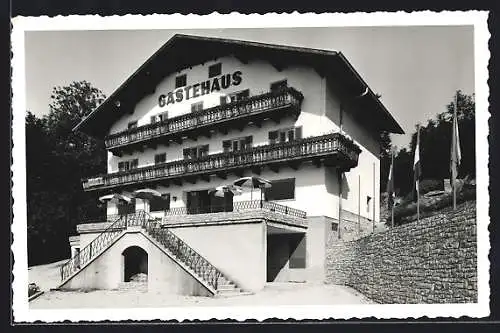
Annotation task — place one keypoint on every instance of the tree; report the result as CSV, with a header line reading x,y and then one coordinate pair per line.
x,y
57,159
385,159
435,140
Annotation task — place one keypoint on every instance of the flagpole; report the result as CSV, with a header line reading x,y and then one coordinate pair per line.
x,y
417,151
454,143
392,206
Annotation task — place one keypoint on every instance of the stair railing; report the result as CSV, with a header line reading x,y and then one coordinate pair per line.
x,y
182,251
93,248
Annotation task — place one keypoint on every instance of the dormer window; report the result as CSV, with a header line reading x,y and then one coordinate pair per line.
x,y
215,70
180,81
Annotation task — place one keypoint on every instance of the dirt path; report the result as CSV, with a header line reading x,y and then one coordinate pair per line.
x,y
272,294
46,276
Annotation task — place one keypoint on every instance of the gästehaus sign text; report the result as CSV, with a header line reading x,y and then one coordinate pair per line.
x,y
200,89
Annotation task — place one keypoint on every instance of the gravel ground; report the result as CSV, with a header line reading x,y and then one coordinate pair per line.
x,y
272,294
46,276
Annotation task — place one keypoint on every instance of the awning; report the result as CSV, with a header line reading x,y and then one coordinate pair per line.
x,y
147,193
115,197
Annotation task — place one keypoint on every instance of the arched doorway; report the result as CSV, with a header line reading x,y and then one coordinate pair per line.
x,y
135,264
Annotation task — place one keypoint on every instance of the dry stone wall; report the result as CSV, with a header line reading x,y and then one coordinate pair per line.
x,y
431,261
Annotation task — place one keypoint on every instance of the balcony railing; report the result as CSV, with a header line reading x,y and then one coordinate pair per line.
x,y
238,206
288,97
333,147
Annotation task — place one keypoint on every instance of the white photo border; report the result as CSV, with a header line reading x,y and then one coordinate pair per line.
x,y
21,310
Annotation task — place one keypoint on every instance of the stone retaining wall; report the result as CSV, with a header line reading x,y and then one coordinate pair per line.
x,y
431,261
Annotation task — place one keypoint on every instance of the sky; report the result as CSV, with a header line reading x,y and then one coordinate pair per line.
x,y
415,69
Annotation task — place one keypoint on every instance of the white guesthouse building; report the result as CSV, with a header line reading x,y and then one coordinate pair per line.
x,y
201,113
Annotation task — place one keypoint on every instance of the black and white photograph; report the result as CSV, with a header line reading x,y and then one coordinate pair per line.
x,y
225,166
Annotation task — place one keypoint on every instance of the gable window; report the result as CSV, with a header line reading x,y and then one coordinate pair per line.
x,y
279,85
285,135
132,125
159,203
281,189
195,152
128,165
215,70
197,106
180,81
160,158
237,144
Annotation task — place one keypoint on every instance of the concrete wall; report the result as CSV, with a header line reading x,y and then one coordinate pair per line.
x,y
106,271
238,250
431,261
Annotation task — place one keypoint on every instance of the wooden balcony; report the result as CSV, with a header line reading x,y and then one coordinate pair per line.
x,y
330,149
271,105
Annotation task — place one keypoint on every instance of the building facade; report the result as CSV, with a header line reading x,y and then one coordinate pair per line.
x,y
202,113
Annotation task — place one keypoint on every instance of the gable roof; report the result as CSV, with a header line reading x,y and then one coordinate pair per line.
x,y
183,51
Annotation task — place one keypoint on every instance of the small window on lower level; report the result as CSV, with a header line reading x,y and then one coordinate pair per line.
x,y
159,203
281,189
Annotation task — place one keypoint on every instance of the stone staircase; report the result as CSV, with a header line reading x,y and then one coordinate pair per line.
x,y
195,264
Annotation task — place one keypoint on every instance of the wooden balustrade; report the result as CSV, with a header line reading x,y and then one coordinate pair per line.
x,y
211,116
324,146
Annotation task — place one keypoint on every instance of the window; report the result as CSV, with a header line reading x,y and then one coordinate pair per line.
x,y
368,202
195,152
132,125
285,135
215,70
237,144
197,106
279,85
159,117
181,81
134,164
160,158
282,189
159,203
128,165
297,252
235,97
335,226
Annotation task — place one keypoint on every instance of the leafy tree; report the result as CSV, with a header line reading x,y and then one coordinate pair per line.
x,y
385,159
57,159
435,140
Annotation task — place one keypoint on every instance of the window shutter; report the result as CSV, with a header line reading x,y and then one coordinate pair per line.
x,y
291,135
223,100
153,119
282,137
120,166
298,133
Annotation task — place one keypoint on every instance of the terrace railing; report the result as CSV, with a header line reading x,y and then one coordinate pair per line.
x,y
177,247
239,206
206,117
311,147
